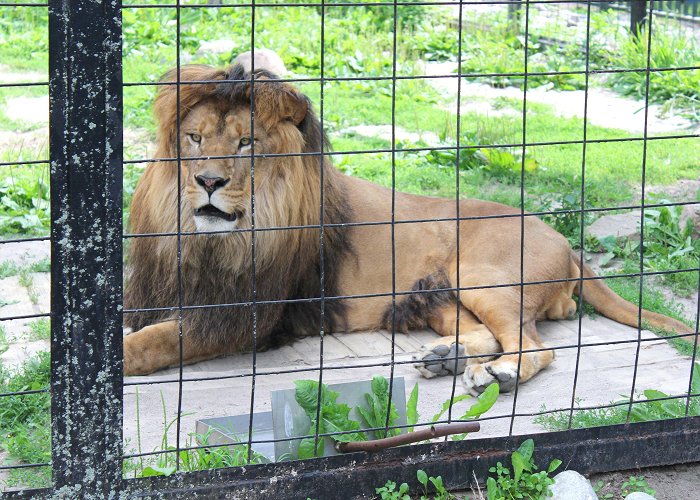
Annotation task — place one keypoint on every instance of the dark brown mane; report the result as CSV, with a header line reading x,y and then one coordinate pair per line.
x,y
289,271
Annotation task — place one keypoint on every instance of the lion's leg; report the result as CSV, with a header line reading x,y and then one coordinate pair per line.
x,y
158,346
505,326
499,310
437,357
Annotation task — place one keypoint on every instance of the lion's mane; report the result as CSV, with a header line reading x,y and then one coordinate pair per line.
x,y
215,283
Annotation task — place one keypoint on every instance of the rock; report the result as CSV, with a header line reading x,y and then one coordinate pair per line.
x,y
570,485
620,226
264,59
638,495
690,213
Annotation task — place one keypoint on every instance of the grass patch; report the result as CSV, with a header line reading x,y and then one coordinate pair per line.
x,y
25,427
39,329
10,268
653,406
653,300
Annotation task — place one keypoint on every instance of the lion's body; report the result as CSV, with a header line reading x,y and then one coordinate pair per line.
x,y
365,258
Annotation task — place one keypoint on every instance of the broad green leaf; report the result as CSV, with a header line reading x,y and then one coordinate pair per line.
x,y
553,465
652,394
492,489
484,402
519,465
380,386
422,477
526,449
447,404
157,471
307,396
412,408
306,448
673,409
695,382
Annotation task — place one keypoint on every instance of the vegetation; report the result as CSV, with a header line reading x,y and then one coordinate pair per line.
x,y
335,417
525,481
25,429
606,491
657,406
389,491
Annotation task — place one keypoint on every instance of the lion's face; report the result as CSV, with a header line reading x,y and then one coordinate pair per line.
x,y
218,187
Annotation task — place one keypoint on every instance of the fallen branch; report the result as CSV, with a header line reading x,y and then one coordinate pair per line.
x,y
434,431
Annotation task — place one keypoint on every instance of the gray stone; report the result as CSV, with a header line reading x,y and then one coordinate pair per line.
x,y
691,214
638,495
620,226
570,485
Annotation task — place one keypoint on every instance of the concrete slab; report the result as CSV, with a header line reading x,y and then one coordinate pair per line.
x,y
24,252
604,374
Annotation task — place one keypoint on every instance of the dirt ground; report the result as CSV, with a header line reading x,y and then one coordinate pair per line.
x,y
675,482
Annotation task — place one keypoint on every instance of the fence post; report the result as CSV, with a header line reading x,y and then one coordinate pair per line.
x,y
638,13
85,124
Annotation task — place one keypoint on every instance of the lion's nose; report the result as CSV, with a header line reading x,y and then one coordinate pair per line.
x,y
211,184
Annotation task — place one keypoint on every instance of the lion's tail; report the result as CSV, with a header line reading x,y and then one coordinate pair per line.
x,y
612,306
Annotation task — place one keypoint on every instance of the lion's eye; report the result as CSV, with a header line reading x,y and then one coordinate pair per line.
x,y
245,141
195,138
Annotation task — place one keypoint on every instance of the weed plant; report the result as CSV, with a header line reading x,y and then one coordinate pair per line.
x,y
655,406
25,428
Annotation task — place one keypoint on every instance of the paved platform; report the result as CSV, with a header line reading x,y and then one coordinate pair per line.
x,y
223,387
605,374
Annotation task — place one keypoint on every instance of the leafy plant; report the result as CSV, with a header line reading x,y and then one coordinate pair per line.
x,y
441,492
637,484
525,481
25,429
332,417
378,404
39,329
389,491
656,407
412,409
483,404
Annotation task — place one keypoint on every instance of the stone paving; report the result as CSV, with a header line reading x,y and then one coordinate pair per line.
x,y
605,371
605,374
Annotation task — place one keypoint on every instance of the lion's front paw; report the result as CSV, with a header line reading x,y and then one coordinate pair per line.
x,y
434,360
477,378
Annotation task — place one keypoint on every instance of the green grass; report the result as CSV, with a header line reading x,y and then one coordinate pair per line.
x,y
25,421
653,300
39,329
649,406
10,268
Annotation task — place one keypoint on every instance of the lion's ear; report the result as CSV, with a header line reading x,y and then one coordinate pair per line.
x,y
276,101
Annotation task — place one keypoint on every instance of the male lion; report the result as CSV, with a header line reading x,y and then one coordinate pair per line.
x,y
218,252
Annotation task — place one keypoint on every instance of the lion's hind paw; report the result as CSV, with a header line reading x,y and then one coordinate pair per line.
x,y
438,360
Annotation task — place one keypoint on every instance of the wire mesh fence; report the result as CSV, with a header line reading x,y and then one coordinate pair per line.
x,y
311,214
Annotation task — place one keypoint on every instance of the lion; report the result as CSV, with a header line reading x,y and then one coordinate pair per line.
x,y
325,245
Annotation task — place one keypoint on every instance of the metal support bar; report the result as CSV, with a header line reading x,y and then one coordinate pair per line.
x,y
86,250
600,449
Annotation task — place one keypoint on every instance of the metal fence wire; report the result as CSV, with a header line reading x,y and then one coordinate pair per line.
x,y
88,168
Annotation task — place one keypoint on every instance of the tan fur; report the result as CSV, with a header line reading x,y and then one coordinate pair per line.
x,y
358,257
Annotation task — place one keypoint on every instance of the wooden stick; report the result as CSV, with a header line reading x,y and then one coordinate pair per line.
x,y
434,431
